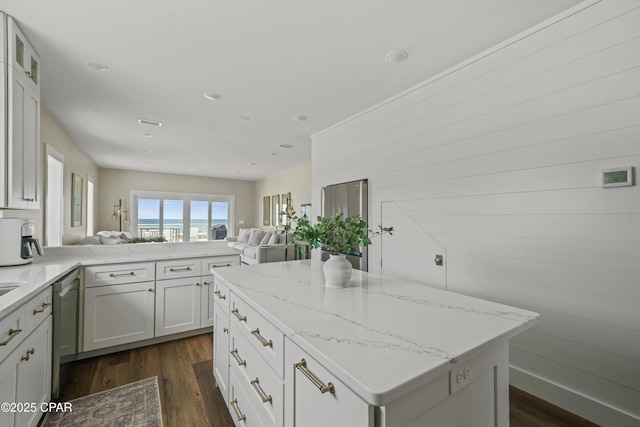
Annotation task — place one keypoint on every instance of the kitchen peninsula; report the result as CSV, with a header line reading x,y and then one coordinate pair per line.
x,y
382,352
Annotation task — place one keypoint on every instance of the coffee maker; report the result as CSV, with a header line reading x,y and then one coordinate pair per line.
x,y
17,242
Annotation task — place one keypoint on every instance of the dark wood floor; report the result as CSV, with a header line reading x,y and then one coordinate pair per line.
x,y
189,396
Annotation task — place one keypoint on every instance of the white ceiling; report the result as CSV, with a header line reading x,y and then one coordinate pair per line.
x,y
270,60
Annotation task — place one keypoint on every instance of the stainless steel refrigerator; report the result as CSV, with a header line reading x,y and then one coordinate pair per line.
x,y
348,198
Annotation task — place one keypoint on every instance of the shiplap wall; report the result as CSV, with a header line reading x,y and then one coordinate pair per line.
x,y
496,165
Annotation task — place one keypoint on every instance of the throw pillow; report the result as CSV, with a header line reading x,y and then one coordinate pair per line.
x,y
274,238
266,238
256,237
243,235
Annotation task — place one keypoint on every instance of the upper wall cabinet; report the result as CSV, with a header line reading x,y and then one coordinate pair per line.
x,y
20,158
21,56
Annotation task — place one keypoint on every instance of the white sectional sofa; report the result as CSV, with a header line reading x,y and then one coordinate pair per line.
x,y
260,246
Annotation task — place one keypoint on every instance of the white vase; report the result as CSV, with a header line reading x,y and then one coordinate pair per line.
x,y
337,271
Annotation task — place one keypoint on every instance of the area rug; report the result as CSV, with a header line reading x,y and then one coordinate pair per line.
x,y
133,405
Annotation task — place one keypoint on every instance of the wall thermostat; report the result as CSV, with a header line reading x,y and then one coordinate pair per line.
x,y
617,177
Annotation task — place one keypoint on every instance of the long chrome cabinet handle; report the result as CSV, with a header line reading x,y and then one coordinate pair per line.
x,y
175,270
239,361
263,396
302,367
40,310
239,316
12,335
131,273
264,342
219,295
234,405
221,265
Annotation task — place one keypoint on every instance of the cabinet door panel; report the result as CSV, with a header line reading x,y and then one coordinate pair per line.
x,y
177,305
118,314
221,353
34,372
206,306
8,387
313,407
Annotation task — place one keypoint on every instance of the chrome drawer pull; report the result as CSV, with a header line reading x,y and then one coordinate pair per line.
x,y
302,367
175,270
221,265
240,317
44,307
219,295
12,335
256,386
239,361
234,405
260,338
131,273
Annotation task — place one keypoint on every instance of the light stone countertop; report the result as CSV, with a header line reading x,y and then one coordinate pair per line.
x,y
383,337
59,261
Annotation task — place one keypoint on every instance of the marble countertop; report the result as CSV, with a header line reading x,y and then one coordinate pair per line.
x,y
59,261
382,337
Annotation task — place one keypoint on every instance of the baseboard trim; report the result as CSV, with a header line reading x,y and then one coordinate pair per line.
x,y
593,410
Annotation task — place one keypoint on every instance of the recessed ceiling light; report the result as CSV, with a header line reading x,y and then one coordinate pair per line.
x,y
96,66
245,117
285,145
148,135
396,56
274,154
252,164
147,151
212,96
300,118
149,122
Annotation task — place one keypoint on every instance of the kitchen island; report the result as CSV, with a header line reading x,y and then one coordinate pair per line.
x,y
383,352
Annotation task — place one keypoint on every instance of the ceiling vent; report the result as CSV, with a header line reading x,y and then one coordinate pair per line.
x,y
149,122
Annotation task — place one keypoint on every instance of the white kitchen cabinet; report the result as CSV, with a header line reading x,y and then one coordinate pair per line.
x,y
21,56
118,314
208,288
319,397
221,350
25,372
20,157
177,305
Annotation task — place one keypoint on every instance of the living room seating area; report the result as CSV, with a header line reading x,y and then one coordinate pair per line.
x,y
260,246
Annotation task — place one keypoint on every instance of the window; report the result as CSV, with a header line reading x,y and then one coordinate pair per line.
x,y
182,217
54,205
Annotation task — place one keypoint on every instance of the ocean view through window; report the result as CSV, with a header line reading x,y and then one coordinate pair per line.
x,y
181,217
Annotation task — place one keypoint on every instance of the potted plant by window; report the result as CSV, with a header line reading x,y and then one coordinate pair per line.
x,y
339,235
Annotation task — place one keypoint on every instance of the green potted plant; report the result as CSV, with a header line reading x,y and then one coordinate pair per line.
x,y
339,235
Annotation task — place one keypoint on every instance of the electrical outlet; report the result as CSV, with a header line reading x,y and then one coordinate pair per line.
x,y
439,260
459,376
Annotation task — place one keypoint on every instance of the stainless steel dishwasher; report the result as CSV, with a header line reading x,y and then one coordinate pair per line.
x,y
65,325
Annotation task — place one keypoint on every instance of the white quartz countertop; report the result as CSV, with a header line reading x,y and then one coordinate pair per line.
x,y
382,337
59,261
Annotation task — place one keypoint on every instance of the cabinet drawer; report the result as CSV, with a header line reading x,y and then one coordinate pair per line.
x,y
219,261
116,274
38,308
221,295
178,268
262,335
240,408
13,331
264,388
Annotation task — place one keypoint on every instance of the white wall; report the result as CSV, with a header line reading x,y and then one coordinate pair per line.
x,y
76,161
296,181
116,184
496,164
